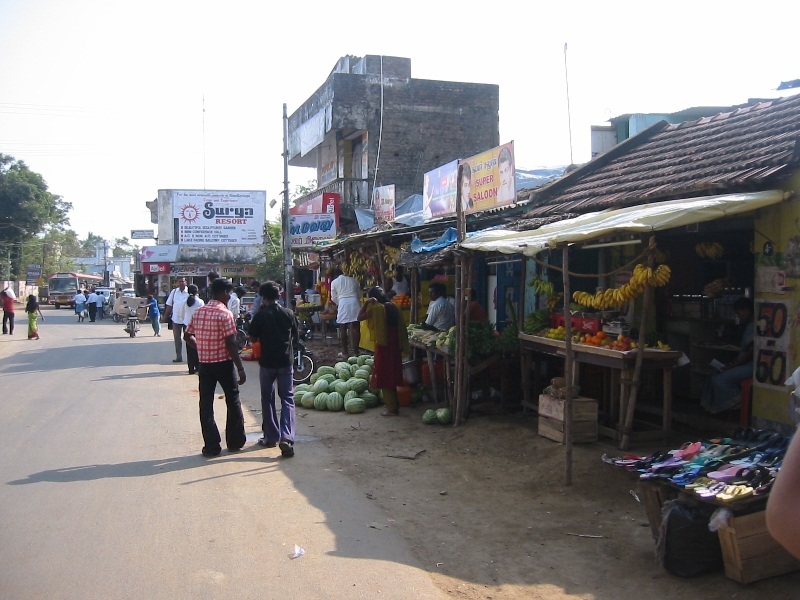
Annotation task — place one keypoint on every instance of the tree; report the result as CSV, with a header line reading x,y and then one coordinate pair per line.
x,y
270,264
27,208
123,247
89,245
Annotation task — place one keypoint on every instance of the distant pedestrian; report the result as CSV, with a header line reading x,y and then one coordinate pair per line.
x,y
212,332
275,327
8,311
32,308
80,305
212,275
192,304
101,302
85,304
234,303
255,286
173,315
91,302
154,315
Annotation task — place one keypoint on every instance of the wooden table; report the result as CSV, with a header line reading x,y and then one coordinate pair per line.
x,y
621,365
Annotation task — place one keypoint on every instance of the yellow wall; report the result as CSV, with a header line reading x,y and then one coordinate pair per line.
x,y
780,225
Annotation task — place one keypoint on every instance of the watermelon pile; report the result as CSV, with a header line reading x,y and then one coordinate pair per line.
x,y
342,387
443,416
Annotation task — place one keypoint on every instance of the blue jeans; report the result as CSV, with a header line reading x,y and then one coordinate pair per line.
x,y
722,391
283,376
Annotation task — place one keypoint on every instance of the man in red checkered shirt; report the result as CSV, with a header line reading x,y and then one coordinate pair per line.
x,y
213,333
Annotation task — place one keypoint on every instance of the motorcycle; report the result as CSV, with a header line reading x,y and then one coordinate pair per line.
x,y
132,325
303,365
242,326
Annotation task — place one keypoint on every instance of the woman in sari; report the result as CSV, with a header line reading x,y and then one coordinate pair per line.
x,y
388,331
32,308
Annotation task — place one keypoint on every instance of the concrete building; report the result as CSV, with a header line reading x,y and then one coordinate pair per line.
x,y
372,123
119,268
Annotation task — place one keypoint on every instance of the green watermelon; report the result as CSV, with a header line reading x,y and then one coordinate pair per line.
x,y
371,400
362,374
338,366
444,416
345,374
358,385
353,360
328,377
320,387
355,405
321,402
340,387
350,395
314,377
326,370
369,361
429,418
335,401
361,360
307,401
302,388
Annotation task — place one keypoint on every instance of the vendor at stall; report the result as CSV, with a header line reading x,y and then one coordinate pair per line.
x,y
441,314
399,283
722,391
346,295
475,311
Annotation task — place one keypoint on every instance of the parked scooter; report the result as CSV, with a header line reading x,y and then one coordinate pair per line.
x,y
132,325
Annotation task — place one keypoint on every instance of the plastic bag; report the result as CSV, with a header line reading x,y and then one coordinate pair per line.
x,y
720,518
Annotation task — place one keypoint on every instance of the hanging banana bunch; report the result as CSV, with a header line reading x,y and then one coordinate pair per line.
x,y
711,250
540,286
614,298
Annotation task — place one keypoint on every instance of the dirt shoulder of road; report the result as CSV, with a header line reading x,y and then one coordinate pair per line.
x,y
485,510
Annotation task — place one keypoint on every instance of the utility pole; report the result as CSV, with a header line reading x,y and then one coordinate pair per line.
x,y
105,263
288,282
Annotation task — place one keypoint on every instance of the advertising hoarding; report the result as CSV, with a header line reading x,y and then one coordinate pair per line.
x,y
383,203
217,217
142,234
168,253
155,268
439,191
314,221
489,180
33,274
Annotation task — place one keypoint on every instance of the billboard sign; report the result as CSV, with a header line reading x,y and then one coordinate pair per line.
x,y
439,191
143,234
486,180
155,268
33,273
222,218
383,203
165,253
314,221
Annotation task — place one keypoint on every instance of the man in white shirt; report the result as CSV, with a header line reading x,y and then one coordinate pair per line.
x,y
173,312
91,303
101,301
441,314
346,295
80,305
233,305
399,283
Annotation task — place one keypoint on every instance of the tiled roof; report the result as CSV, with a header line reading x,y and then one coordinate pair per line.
x,y
746,149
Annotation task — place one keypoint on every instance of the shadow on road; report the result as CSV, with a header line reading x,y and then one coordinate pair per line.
x,y
90,356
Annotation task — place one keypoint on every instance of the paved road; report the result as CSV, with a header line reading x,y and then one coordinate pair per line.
x,y
105,493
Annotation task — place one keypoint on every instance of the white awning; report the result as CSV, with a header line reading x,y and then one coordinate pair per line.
x,y
632,220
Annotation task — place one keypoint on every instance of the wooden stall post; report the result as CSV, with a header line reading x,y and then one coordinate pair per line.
x,y
568,374
381,264
415,295
637,369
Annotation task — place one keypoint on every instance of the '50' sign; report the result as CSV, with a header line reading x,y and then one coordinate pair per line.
x,y
772,343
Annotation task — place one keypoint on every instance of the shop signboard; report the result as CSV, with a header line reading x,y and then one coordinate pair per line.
x,y
314,221
772,339
33,273
219,217
189,270
439,191
231,271
383,203
166,253
155,268
486,180
143,234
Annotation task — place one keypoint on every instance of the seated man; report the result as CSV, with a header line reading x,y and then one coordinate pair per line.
x,y
441,314
722,391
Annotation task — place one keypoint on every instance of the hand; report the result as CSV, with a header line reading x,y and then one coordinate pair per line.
x,y
242,376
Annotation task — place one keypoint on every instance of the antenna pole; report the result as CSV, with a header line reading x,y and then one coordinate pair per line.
x,y
569,117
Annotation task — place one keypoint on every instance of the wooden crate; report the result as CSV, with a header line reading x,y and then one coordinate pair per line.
x,y
750,552
653,495
582,431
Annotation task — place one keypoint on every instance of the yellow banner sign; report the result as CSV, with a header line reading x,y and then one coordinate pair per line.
x,y
486,180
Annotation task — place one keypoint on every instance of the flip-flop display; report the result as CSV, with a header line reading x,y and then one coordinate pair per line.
x,y
725,469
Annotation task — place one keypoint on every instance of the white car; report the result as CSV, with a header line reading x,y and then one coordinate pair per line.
x,y
130,292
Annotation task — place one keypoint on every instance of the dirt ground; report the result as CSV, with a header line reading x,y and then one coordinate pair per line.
x,y
486,512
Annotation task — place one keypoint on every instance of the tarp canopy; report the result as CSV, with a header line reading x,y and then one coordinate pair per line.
x,y
633,219
407,212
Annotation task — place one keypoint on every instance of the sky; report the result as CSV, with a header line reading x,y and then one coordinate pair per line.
x,y
105,98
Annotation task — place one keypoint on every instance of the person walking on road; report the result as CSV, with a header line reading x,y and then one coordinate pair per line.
x,y
91,304
8,311
192,304
212,332
346,294
32,308
154,315
173,313
80,305
101,302
387,329
275,327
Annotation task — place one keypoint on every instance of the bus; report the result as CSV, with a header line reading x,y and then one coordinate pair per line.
x,y
64,286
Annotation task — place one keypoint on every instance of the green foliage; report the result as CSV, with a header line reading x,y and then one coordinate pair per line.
x,y
123,247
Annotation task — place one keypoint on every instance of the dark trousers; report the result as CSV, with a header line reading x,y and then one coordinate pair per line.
x,y
225,374
8,322
192,360
92,311
100,312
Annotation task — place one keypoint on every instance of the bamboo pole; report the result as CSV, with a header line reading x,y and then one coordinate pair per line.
x,y
637,370
414,295
381,264
568,374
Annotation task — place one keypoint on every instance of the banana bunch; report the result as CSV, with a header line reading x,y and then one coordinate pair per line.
x,y
610,298
661,256
540,286
390,258
712,250
643,275
554,299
